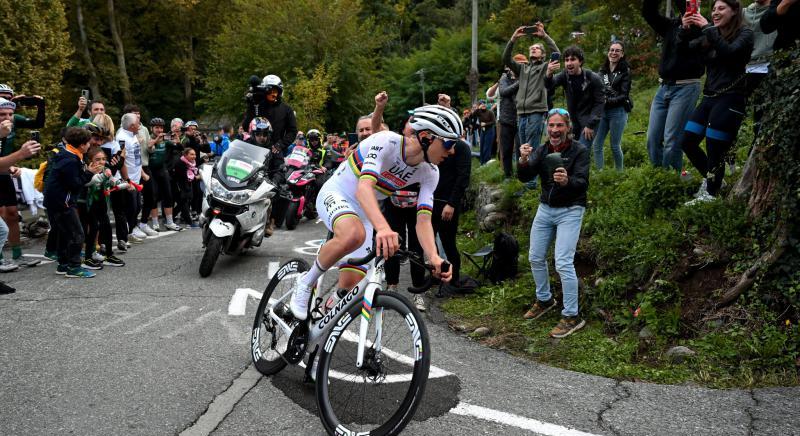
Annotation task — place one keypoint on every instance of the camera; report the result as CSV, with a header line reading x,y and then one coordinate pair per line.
x,y
256,94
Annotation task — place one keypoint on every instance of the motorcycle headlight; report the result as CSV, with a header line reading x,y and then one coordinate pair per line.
x,y
234,197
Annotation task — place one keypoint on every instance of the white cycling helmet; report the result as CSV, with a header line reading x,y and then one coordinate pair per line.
x,y
5,89
441,121
272,81
7,104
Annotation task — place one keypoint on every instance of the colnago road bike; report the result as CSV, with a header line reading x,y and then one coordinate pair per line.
x,y
369,353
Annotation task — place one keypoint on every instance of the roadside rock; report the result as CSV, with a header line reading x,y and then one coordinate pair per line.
x,y
481,332
493,221
680,353
645,334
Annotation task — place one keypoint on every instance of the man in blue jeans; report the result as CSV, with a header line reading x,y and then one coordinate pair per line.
x,y
562,164
680,71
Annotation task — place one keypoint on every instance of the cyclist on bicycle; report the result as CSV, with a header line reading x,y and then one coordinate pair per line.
x,y
380,165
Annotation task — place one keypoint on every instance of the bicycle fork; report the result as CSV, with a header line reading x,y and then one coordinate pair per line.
x,y
366,317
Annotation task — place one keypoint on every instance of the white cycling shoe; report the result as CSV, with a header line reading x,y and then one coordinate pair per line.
x,y
299,303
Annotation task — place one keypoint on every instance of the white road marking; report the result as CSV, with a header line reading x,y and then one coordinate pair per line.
x,y
238,304
311,248
544,428
158,319
272,269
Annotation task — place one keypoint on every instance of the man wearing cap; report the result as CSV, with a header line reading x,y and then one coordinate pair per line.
x,y
9,121
532,93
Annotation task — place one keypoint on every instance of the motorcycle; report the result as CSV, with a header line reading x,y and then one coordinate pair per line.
x,y
302,183
238,203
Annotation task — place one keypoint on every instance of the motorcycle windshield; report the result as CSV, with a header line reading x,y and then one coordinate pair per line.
x,y
298,158
240,162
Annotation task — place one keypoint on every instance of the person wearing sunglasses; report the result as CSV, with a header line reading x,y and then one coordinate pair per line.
x,y
562,164
383,163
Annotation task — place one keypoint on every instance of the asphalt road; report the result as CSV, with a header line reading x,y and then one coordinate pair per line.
x,y
153,349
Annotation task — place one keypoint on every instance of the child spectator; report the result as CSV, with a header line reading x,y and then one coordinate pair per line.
x,y
115,156
187,177
63,185
97,213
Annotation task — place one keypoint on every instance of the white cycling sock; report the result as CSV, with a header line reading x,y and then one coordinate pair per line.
x,y
168,219
313,274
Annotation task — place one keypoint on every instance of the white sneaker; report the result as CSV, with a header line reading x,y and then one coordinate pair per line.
x,y
8,266
702,198
148,231
134,240
155,225
138,233
419,302
98,257
172,226
703,189
299,303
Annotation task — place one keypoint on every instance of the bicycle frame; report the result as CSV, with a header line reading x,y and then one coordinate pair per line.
x,y
336,318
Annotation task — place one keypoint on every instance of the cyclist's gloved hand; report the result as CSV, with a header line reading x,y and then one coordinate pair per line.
x,y
438,263
386,242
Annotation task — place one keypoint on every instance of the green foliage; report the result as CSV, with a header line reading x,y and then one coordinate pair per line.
x,y
34,52
289,41
312,94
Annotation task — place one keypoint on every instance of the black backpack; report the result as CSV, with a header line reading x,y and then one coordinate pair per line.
x,y
504,258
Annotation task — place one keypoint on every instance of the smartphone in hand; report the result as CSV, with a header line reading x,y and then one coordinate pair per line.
x,y
555,56
692,6
529,30
35,136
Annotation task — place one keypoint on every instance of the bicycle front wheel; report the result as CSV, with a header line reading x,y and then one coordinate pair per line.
x,y
381,396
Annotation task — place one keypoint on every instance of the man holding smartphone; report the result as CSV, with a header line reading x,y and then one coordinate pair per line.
x,y
531,95
8,193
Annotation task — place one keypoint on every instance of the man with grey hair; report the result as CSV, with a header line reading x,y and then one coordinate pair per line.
x,y
133,164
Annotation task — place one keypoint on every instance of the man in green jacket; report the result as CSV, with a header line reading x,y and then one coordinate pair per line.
x,y
98,107
532,93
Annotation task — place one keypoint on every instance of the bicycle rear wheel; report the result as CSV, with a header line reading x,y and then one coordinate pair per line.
x,y
382,396
269,341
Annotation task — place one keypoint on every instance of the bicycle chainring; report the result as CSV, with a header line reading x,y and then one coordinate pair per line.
x,y
298,342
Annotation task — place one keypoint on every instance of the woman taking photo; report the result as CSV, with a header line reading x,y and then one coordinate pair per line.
x,y
727,44
616,75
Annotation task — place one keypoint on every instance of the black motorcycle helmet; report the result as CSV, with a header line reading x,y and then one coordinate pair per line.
x,y
314,138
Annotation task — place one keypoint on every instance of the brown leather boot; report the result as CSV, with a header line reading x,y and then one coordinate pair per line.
x,y
270,228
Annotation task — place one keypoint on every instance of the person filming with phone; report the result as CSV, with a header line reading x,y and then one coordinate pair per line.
x,y
531,95
11,121
584,90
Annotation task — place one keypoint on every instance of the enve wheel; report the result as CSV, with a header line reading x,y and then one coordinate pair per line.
x,y
382,396
269,341
213,249
291,215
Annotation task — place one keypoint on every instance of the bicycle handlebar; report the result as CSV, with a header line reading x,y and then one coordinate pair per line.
x,y
413,257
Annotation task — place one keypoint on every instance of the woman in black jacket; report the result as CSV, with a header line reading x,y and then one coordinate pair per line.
x,y
616,75
727,44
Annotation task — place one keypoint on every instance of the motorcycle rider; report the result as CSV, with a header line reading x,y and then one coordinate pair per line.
x,y
267,102
261,135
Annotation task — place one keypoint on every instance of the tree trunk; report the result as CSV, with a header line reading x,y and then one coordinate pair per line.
x,y
94,83
188,78
124,81
473,70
